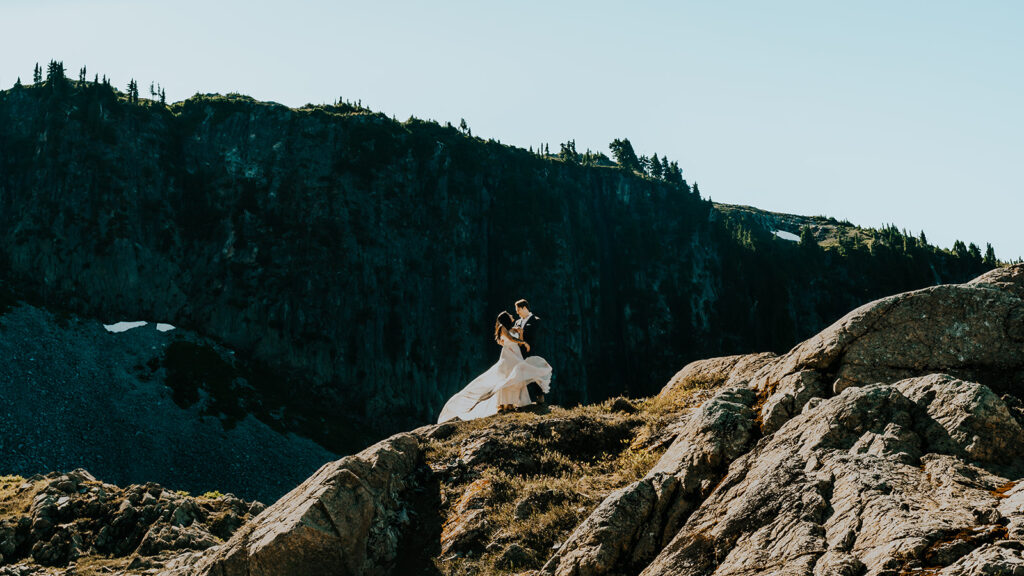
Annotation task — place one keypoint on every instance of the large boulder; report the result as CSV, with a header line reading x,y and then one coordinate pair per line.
x,y
876,480
347,519
974,331
724,371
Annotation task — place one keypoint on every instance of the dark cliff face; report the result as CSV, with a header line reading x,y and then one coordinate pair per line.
x,y
359,262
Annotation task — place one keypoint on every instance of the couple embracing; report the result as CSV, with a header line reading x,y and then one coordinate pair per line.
x,y
508,384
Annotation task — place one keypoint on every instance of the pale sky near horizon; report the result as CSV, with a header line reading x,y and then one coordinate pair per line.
x,y
905,112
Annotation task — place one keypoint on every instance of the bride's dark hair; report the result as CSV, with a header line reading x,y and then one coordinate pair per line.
x,y
504,320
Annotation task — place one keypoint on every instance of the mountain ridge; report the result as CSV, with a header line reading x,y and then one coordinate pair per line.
x,y
357,261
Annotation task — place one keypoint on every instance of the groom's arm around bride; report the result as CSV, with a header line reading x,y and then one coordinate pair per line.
x,y
529,327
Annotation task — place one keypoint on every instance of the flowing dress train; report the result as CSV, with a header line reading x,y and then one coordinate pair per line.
x,y
503,383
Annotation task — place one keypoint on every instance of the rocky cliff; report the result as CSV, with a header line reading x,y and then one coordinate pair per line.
x,y
355,264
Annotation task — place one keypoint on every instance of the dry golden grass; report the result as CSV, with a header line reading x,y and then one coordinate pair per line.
x,y
100,566
556,467
14,499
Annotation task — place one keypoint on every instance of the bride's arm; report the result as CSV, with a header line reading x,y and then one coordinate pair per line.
x,y
507,334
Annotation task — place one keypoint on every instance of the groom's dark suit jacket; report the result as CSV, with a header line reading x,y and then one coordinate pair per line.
x,y
529,334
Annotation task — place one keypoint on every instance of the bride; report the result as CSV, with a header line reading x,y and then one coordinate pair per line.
x,y
502,388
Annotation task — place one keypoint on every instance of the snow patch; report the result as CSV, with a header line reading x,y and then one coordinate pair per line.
x,y
786,235
123,326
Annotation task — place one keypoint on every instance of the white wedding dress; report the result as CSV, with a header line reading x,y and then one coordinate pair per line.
x,y
503,383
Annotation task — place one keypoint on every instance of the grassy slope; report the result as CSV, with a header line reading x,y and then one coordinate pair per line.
x,y
537,476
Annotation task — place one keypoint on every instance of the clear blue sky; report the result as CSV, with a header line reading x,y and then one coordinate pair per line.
x,y
908,112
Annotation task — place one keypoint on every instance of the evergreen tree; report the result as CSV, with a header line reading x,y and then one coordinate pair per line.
x,y
55,77
81,75
568,152
645,164
990,256
696,191
807,241
463,126
37,74
17,83
974,252
924,239
672,174
656,171
959,249
622,152
163,96
54,71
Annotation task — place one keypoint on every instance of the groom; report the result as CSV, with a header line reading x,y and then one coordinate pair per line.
x,y
528,325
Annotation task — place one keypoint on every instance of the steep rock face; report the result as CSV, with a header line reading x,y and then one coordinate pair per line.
x,y
364,260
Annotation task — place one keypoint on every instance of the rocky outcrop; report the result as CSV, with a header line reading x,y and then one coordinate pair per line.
x,y
726,371
57,519
346,519
974,330
880,478
858,470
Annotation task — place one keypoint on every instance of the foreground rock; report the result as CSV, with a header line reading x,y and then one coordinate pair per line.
x,y
348,518
880,478
55,520
933,433
726,371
